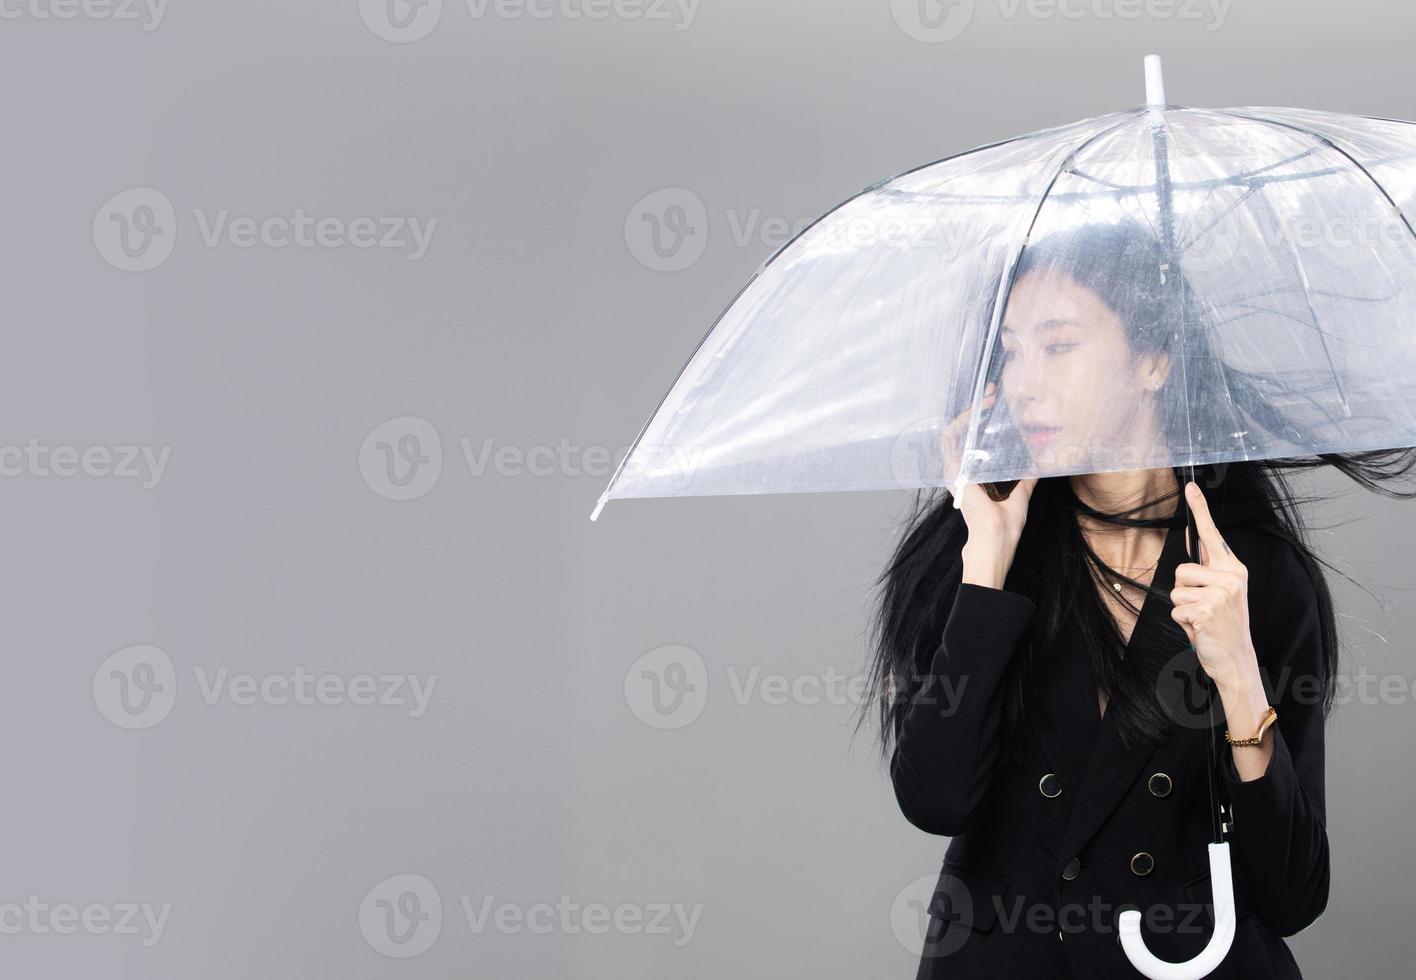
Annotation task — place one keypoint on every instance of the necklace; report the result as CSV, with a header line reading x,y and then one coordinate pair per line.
x,y
1117,585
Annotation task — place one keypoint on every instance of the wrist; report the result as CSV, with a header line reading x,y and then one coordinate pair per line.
x,y
1245,704
1242,682
985,569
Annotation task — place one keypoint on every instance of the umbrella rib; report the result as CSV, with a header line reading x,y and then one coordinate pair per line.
x,y
1326,141
1005,287
1322,339
605,495
1119,190
1239,178
1249,191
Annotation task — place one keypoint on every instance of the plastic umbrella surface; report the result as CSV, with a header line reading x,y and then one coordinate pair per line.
x,y
1158,286
1163,286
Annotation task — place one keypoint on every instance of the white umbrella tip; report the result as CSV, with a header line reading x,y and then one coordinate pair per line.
x,y
957,491
1155,83
599,505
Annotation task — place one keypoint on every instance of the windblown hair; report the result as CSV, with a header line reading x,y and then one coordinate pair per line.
x,y
1054,565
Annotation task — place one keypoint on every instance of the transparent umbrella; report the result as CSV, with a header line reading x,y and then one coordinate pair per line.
x,y
1162,286
1263,256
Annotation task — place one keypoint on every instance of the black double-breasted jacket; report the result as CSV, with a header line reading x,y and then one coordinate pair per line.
x,y
1046,852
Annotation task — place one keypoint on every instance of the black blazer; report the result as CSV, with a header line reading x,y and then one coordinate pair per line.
x,y
1046,853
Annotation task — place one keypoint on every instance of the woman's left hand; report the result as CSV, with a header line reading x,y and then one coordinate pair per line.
x,y
1212,604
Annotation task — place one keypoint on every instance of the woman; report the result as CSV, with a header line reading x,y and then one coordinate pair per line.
x,y
1042,662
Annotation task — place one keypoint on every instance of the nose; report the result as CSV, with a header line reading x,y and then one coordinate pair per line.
x,y
1026,381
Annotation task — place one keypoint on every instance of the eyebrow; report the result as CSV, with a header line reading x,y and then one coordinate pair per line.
x,y
1052,324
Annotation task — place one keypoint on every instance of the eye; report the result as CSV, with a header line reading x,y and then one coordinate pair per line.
x,y
1060,348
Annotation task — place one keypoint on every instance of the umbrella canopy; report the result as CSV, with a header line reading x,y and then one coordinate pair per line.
x,y
1158,286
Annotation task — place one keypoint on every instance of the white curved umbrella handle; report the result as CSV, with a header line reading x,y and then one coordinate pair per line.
x,y
1203,963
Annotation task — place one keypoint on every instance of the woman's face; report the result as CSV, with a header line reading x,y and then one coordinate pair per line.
x,y
1072,384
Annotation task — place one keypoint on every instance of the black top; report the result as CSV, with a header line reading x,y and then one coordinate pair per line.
x,y
1047,852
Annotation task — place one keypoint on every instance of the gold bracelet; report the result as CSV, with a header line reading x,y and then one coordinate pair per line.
x,y
1270,716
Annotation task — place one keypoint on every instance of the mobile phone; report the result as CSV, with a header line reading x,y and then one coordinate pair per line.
x,y
1002,489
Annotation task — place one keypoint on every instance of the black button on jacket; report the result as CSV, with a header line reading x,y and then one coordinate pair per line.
x,y
1034,879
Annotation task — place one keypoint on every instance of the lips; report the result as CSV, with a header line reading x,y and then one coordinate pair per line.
x,y
1040,436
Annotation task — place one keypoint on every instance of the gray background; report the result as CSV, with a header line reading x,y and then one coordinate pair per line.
x,y
539,317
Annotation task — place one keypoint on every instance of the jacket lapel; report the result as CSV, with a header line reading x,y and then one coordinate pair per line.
x,y
1114,767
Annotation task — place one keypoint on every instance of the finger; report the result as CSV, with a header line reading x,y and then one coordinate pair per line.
x,y
960,423
1185,595
1213,543
990,392
952,438
1195,617
1191,574
1180,616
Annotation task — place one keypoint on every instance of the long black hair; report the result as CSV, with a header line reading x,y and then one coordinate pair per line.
x,y
1054,564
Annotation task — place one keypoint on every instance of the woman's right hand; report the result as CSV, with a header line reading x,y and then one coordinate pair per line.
x,y
995,526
